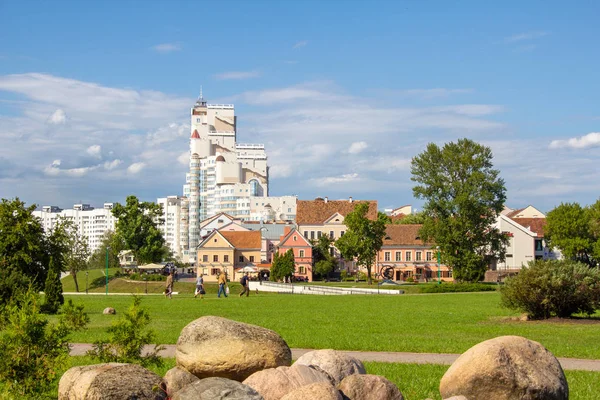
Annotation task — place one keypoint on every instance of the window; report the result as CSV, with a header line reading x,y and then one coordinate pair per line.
x,y
331,251
387,256
408,256
295,238
306,234
301,253
226,258
251,258
302,270
241,259
342,233
418,256
215,271
216,258
319,233
428,256
331,235
312,234
205,258
538,245
398,256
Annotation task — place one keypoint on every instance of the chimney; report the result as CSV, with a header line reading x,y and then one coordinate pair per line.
x,y
350,200
326,199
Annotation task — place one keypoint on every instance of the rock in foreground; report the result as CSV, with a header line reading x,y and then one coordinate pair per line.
x,y
369,387
507,367
336,364
217,389
275,383
177,378
321,391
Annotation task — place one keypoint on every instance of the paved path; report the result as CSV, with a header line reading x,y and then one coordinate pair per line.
x,y
79,349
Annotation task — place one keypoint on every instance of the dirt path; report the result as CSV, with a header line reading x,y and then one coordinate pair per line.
x,y
79,349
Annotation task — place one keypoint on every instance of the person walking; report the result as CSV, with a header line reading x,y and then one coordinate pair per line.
x,y
199,287
245,285
169,285
222,284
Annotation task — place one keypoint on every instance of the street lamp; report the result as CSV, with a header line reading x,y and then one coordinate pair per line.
x,y
107,270
438,265
86,282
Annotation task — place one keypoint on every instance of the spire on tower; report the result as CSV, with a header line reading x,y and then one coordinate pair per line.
x,y
201,92
201,101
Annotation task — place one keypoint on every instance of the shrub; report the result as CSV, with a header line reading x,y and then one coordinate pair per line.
x,y
128,336
553,288
456,287
410,279
53,293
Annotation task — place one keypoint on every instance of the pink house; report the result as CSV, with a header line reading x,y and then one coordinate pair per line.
x,y
303,256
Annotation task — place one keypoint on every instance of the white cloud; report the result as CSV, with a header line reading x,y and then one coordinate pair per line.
x,y
184,158
167,47
136,168
236,75
95,151
431,93
55,169
301,43
332,180
110,165
520,37
280,171
58,117
357,147
590,140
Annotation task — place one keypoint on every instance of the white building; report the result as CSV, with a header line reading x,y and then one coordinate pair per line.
x,y
272,209
172,213
91,222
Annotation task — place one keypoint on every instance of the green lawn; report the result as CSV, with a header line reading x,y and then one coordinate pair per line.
x,y
436,323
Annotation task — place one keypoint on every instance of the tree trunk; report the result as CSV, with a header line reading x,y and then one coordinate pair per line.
x,y
369,281
74,274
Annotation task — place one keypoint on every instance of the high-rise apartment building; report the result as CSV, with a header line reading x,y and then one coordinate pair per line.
x,y
91,222
170,228
223,174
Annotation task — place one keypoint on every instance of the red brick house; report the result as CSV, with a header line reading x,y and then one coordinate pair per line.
x,y
303,255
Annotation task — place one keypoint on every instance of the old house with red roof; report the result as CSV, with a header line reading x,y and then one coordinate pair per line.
x,y
293,240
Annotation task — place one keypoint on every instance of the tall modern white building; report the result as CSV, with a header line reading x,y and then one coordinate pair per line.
x,y
170,228
91,222
223,173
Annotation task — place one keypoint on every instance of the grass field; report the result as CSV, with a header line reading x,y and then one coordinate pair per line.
x,y
436,323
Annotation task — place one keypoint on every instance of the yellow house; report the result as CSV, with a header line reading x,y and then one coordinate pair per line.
x,y
228,251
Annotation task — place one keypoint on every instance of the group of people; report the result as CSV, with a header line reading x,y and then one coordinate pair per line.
x,y
222,281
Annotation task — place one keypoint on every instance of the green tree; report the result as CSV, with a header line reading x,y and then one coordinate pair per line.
x,y
98,258
384,217
575,230
464,196
137,230
53,292
363,239
412,219
324,262
283,265
24,252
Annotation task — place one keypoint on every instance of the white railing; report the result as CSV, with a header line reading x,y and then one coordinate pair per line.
x,y
221,133
249,146
229,106
316,289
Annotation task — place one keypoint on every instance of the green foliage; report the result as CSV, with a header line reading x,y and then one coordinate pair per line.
x,y
53,292
98,258
464,195
23,247
137,230
383,218
457,288
363,239
553,288
32,350
146,277
283,266
324,262
412,219
127,338
575,230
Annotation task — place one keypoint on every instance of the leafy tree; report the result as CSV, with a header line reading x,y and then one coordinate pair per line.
x,y
53,292
98,258
575,230
384,217
363,239
24,251
325,263
128,336
283,265
137,229
464,195
412,219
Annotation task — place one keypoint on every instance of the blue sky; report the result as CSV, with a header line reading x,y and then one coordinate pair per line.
x,y
95,97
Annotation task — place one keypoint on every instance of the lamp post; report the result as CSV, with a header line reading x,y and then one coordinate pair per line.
x,y
86,282
438,265
107,270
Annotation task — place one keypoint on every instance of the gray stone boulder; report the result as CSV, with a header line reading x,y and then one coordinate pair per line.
x,y
218,347
507,367
321,391
369,387
274,383
216,389
109,382
177,378
109,311
336,364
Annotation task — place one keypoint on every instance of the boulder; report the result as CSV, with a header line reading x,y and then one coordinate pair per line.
x,y
109,311
218,347
321,391
336,364
457,398
369,387
176,378
110,381
507,367
216,389
274,383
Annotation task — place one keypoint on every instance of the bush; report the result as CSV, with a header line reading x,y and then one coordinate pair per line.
x,y
149,277
128,336
410,279
553,288
456,287
53,293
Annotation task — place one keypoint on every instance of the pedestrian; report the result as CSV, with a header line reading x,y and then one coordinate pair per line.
x,y
245,285
169,285
199,287
222,284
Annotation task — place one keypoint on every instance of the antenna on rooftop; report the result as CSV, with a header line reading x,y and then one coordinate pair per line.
x,y
201,92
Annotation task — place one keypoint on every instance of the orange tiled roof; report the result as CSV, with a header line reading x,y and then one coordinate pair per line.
x,y
310,212
536,225
406,234
243,239
195,135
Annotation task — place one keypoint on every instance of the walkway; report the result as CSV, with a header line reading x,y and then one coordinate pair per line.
x,y
79,349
